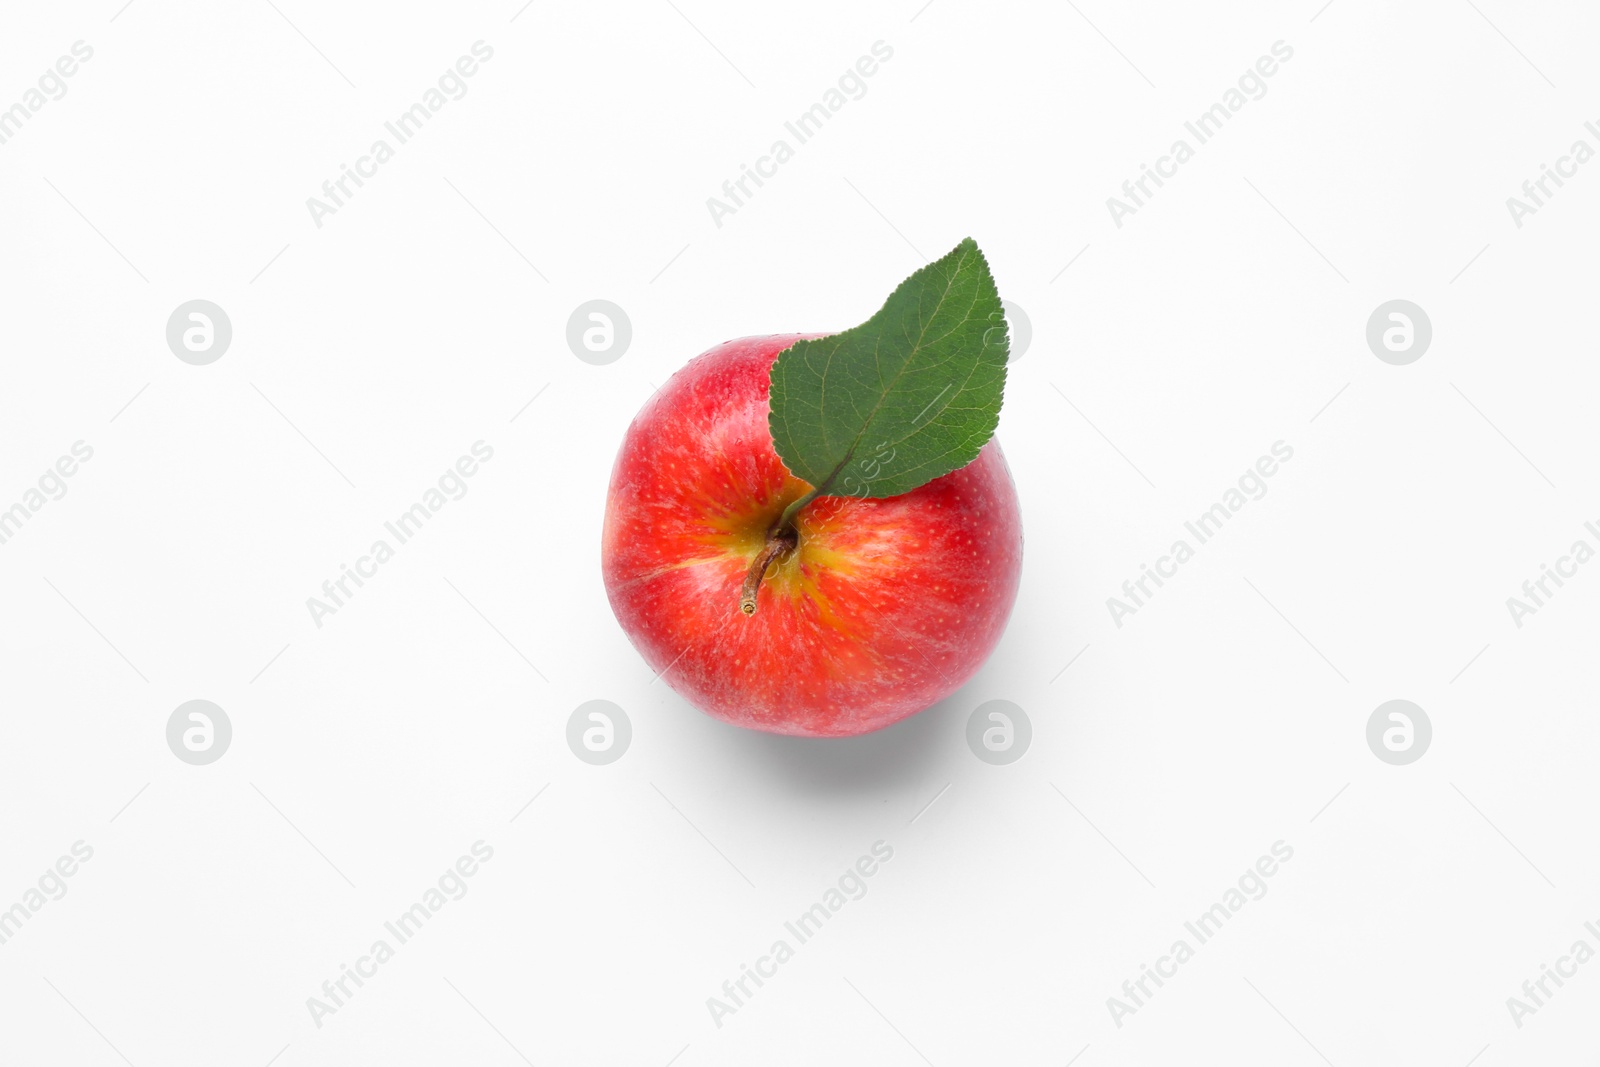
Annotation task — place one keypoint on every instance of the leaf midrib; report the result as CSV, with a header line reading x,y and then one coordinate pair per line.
x,y
884,393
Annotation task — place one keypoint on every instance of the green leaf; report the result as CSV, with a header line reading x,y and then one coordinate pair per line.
x,y
911,394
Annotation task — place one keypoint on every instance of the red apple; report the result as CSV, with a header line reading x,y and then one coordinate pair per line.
x,y
881,609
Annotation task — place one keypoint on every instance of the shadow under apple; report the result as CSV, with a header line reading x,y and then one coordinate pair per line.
x,y
897,760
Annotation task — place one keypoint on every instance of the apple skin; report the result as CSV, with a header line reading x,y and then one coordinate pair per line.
x,y
885,607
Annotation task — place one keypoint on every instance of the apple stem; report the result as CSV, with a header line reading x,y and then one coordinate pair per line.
x,y
786,520
780,542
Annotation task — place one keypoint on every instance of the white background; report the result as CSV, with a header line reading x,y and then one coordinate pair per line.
x,y
368,354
